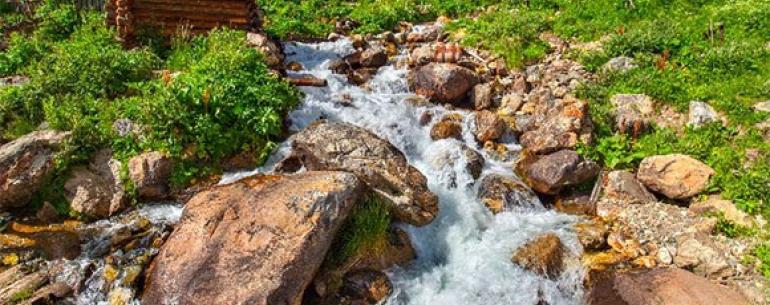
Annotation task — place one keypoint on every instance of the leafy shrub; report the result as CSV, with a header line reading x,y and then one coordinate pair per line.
x,y
225,102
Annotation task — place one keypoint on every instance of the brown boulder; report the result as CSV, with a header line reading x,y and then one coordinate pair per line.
x,y
499,193
97,190
25,165
257,241
450,126
150,173
489,126
544,256
660,287
697,252
623,185
343,147
373,57
551,173
443,83
675,176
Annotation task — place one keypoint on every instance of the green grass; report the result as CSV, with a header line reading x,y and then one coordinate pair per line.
x,y
365,231
224,100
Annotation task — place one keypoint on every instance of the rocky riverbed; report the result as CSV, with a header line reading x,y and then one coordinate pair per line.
x,y
486,197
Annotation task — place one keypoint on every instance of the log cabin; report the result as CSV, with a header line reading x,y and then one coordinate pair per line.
x,y
169,16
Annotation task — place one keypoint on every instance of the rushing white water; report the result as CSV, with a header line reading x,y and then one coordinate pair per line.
x,y
464,256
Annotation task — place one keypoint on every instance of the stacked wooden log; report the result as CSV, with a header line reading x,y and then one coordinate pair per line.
x,y
193,16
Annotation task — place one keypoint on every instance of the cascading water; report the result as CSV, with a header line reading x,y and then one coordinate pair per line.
x,y
464,256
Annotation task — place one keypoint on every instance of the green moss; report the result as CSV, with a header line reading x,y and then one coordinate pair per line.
x,y
20,296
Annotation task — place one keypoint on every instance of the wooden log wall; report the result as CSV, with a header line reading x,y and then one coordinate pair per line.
x,y
169,16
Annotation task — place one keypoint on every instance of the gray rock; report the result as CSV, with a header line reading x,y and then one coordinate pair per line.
x,y
698,253
623,185
702,114
481,96
620,64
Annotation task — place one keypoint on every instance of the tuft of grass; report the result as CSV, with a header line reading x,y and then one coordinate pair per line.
x,y
366,230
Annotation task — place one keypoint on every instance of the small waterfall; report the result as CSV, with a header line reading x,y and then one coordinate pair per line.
x,y
464,256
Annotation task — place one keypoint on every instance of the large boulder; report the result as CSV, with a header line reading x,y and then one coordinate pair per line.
x,y
150,172
443,83
660,287
543,255
97,190
257,241
338,146
675,176
623,185
25,165
502,192
551,173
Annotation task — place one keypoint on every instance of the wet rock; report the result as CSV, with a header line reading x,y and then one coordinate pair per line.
x,y
624,243
575,204
620,64
702,114
592,235
272,50
338,146
633,112
47,213
150,173
25,165
244,160
49,294
474,160
697,252
551,173
97,190
481,96
489,126
543,255
289,223
622,185
442,83
367,286
675,176
501,192
373,57
726,208
361,76
450,126
659,287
